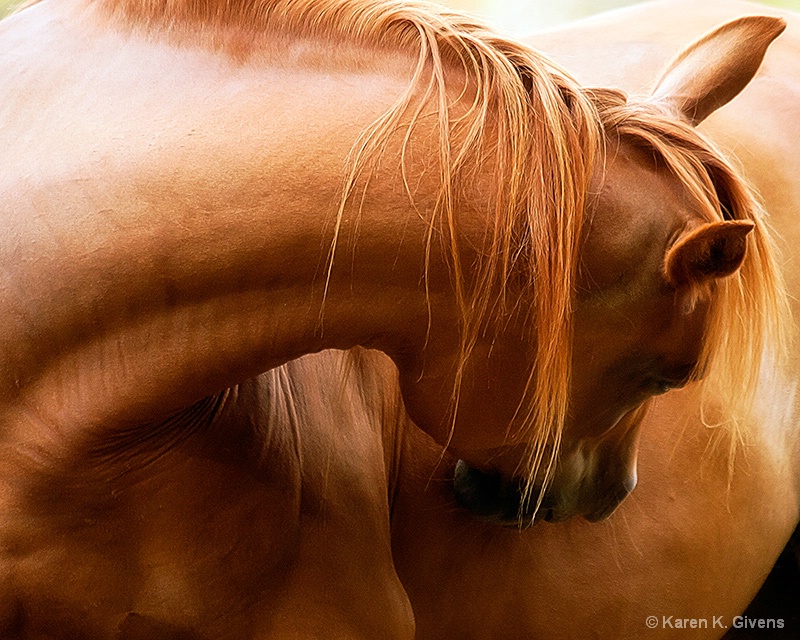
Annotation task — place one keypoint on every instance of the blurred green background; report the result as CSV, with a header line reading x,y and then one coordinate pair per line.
x,y
525,16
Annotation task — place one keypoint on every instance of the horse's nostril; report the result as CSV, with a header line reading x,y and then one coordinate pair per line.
x,y
477,491
485,495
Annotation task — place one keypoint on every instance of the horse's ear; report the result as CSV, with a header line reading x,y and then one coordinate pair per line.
x,y
712,250
713,70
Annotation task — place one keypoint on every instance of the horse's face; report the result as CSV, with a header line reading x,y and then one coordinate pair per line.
x,y
647,270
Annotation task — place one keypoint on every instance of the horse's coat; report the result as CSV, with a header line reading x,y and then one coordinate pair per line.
x,y
245,522
165,203
454,247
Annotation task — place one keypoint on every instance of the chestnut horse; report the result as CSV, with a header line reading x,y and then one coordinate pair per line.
x,y
162,245
451,169
693,544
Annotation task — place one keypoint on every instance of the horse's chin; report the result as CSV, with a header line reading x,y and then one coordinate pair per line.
x,y
486,496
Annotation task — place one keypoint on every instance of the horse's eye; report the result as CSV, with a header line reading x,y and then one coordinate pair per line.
x,y
658,386
662,386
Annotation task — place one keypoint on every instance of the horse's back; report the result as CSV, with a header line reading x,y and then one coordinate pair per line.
x,y
626,48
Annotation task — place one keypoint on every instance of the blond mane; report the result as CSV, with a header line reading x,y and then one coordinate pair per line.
x,y
542,135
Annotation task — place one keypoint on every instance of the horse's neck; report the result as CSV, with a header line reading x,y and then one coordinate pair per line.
x,y
178,239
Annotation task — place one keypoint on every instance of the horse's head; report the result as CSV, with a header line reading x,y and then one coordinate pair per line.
x,y
671,249
650,262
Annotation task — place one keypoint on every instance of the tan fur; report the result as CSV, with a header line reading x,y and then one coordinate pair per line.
x,y
542,133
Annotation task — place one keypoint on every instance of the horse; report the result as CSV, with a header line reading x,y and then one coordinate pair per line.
x,y
688,550
165,250
452,172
